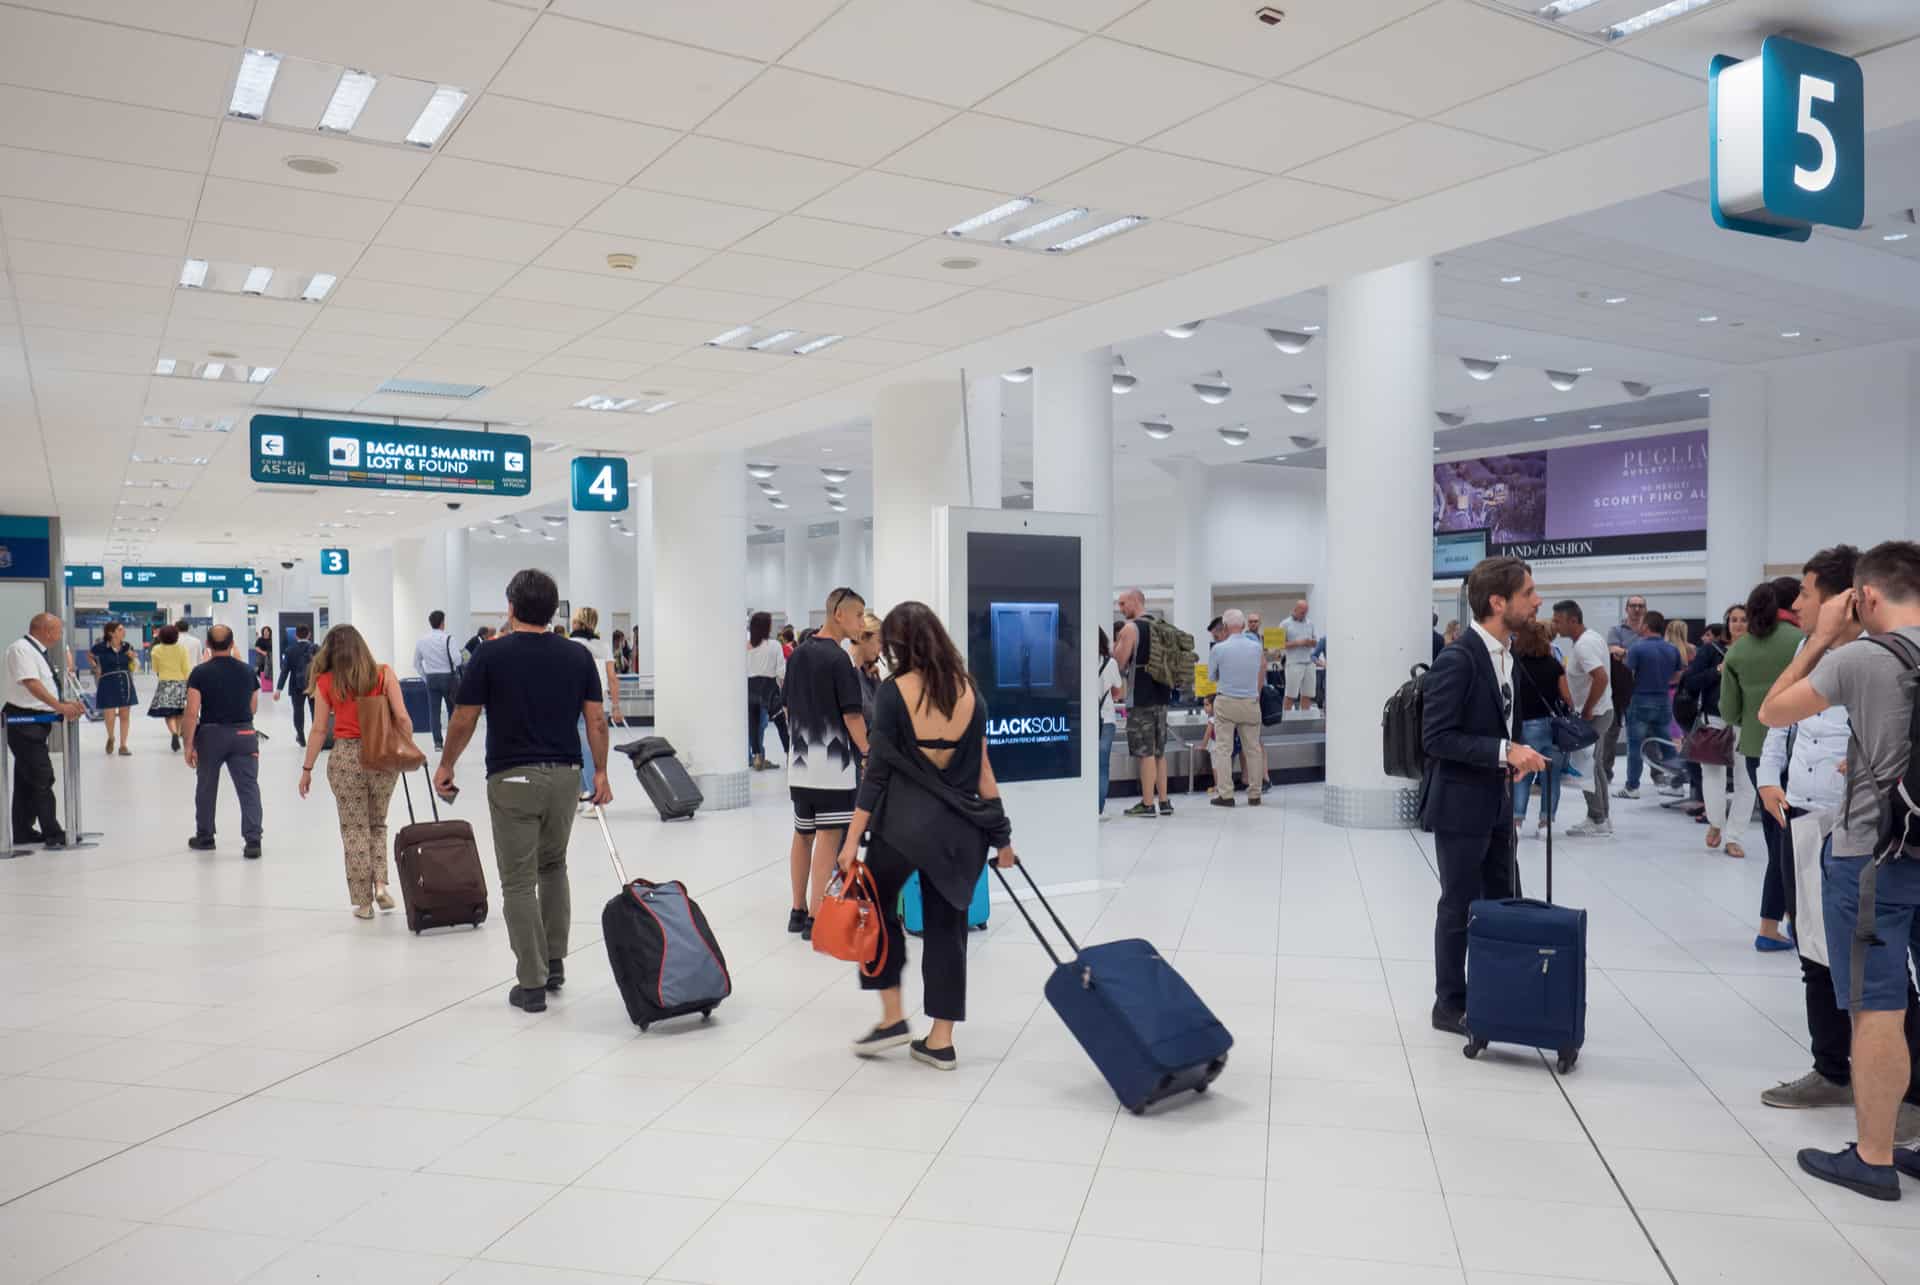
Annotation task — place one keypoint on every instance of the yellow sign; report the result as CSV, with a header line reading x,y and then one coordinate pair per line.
x,y
1203,686
1274,637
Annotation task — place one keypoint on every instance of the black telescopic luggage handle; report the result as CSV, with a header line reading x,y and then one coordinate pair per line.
x,y
1042,899
431,798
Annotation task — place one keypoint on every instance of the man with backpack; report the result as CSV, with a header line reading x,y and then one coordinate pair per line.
x,y
1158,657
295,657
1871,890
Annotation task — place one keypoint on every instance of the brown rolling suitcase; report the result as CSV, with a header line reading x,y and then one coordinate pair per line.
x,y
438,865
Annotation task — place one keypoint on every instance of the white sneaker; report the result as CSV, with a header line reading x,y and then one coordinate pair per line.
x,y
1626,792
1590,829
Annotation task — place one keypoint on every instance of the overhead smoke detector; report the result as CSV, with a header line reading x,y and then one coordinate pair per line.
x,y
1479,367
1213,389
1562,381
1450,418
1635,388
1158,429
1020,376
622,261
1185,330
1123,379
1236,436
1290,342
1301,402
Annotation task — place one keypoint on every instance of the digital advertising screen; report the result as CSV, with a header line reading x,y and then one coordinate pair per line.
x,y
1024,649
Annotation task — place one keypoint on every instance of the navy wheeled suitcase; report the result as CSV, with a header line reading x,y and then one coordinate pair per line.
x,y
1142,1025
419,703
1527,973
664,777
910,914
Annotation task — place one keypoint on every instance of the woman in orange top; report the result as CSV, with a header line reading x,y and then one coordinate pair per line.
x,y
343,672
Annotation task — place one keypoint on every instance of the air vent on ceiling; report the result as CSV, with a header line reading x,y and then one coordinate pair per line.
x,y
430,388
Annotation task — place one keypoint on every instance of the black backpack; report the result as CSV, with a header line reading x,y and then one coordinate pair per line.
x,y
1402,751
1619,683
1900,823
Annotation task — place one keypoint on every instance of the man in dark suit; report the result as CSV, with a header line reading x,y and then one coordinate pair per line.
x,y
1473,757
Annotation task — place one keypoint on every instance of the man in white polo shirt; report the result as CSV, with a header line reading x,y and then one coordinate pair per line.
x,y
32,686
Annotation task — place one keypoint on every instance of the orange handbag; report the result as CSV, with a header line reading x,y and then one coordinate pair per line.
x,y
847,925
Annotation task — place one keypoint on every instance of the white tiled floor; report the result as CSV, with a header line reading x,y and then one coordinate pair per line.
x,y
209,1071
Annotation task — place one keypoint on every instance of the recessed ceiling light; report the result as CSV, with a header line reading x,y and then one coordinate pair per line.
x,y
1234,436
1123,379
1635,388
728,336
164,366
600,401
1300,403
1789,334
317,166
318,288
1561,8
254,85
1290,342
835,475
1583,370
1158,429
1019,376
258,279
836,506
815,345
761,472
1450,418
1616,298
1101,233
1023,235
260,374
1896,236
1510,281
777,504
1562,380
193,274
213,370
1708,318
997,213
960,263
436,116
349,100
835,493
1504,356
1706,394
1213,389
1312,330
768,488
1539,419
773,340
1479,367
1185,330
1596,426
657,407
1652,18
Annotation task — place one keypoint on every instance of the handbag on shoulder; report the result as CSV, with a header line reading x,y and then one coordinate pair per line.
x,y
383,747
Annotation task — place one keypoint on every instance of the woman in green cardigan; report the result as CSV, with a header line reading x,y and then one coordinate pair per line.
x,y
1748,673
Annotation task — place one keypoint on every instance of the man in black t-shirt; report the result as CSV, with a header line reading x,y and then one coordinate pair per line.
x,y
534,685
222,694
829,734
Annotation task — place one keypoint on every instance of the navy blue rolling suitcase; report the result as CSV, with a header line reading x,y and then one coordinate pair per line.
x,y
1142,1025
1527,973
419,702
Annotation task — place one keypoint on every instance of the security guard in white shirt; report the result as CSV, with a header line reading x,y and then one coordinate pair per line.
x,y
32,687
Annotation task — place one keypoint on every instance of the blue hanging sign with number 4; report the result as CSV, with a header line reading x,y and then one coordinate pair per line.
x,y
1787,140
333,562
600,484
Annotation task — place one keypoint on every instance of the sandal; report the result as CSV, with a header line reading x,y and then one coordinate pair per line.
x,y
1735,850
1713,837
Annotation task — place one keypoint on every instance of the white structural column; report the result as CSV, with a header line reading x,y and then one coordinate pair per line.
x,y
233,614
984,393
339,595
919,464
419,588
640,519
456,572
1073,452
1192,577
592,562
1737,488
370,603
796,594
700,584
1379,525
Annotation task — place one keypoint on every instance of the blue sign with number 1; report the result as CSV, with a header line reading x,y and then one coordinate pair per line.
x,y
600,484
1788,140
333,562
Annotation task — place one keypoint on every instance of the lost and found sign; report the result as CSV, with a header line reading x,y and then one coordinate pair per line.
x,y
333,452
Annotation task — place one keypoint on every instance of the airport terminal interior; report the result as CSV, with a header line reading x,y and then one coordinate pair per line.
x,y
1085,323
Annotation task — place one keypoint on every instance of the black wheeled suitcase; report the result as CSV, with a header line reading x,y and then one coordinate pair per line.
x,y
1146,1030
438,866
419,703
1527,972
664,777
664,957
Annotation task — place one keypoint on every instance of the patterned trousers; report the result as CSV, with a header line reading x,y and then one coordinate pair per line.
x,y
361,795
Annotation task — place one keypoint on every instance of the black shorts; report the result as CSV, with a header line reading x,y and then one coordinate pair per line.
x,y
820,809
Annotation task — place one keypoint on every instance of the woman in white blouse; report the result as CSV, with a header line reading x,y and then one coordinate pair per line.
x,y
766,670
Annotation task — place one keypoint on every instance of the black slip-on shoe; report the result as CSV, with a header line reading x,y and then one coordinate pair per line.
x,y
939,1059
201,843
1451,1020
533,1001
882,1038
1845,1168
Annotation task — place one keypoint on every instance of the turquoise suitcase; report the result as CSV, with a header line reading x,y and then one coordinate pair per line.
x,y
910,904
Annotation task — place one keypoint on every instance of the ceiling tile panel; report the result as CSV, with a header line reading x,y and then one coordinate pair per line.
x,y
72,292
766,34
583,251
1100,88
448,232
684,303
1280,208
994,154
593,68
290,209
1603,94
421,301
51,122
1226,34
970,317
1275,128
1083,278
75,225
874,352
818,241
437,271
455,42
904,204
621,352
1141,181
713,169
952,51
109,185
513,338
277,250
452,183
817,317
383,325
92,263
539,316
534,136
611,291
927,260
259,153
665,217
222,21
1414,161
683,331
888,294
812,116
757,274
122,65
1481,50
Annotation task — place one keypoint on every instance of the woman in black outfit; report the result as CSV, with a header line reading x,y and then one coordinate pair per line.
x,y
931,798
263,658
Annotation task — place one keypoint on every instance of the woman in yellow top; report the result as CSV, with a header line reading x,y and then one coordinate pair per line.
x,y
171,666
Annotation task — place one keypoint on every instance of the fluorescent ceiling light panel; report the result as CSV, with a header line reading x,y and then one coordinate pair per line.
x,y
258,279
193,274
436,116
1513,280
1032,230
773,340
1895,236
815,345
728,336
988,217
600,401
349,100
1561,8
213,370
1653,18
254,85
260,374
164,366
318,288
1100,233
657,407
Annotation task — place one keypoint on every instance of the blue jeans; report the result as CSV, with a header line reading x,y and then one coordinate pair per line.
x,y
1106,760
1538,733
586,757
1648,718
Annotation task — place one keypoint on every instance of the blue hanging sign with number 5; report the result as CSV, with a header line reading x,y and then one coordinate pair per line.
x,y
1788,140
600,484
333,562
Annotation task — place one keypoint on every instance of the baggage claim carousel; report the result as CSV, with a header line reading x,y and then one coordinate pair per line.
x,y
1296,751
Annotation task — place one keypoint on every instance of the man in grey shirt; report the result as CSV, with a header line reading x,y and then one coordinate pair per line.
x,y
1871,678
1237,666
433,661
1627,632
